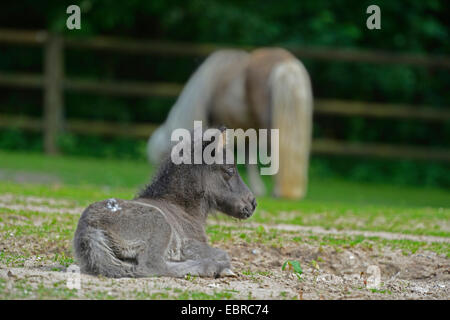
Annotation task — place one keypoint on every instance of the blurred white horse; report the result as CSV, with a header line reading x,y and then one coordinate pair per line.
x,y
265,89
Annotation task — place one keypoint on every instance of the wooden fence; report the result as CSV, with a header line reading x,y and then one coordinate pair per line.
x,y
54,83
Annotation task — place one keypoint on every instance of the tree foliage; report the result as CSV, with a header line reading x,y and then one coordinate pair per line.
x,y
407,26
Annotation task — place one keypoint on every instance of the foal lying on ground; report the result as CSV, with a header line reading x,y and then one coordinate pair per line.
x,y
162,231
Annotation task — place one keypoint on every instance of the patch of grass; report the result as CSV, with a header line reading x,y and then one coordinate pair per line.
x,y
2,285
254,274
79,170
190,277
82,195
275,238
64,260
12,260
383,291
400,219
219,233
18,223
58,292
265,273
411,246
294,267
21,289
329,203
44,235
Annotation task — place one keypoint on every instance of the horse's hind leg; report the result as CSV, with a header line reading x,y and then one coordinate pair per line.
x,y
255,181
254,178
199,260
150,259
150,262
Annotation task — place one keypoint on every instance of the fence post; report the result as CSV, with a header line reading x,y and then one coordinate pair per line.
x,y
53,92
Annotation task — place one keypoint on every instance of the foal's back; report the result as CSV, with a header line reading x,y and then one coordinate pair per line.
x,y
114,234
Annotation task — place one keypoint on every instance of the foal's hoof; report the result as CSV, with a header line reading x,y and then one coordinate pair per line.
x,y
227,273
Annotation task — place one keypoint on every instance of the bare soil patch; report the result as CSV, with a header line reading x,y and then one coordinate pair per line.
x,y
335,275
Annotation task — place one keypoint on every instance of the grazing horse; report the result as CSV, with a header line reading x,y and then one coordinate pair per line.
x,y
162,231
265,89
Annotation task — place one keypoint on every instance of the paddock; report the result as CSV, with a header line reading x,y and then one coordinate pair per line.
x,y
78,106
333,237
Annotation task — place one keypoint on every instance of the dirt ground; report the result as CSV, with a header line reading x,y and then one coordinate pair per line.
x,y
329,272
340,274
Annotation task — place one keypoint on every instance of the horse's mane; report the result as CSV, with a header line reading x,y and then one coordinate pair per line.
x,y
194,100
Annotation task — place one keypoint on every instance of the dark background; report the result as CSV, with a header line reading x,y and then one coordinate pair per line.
x,y
407,27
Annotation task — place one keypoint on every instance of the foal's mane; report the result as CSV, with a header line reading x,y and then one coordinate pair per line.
x,y
159,184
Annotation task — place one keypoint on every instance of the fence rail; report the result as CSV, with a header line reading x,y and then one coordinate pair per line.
x,y
105,128
38,38
166,89
142,131
53,82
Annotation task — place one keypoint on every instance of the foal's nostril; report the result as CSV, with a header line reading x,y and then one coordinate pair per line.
x,y
252,200
254,203
246,212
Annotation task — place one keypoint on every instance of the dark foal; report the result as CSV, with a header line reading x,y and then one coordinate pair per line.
x,y
162,231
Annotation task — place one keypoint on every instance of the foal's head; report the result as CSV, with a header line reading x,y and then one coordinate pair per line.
x,y
225,188
211,186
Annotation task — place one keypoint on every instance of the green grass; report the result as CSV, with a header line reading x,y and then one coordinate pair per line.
x,y
82,195
52,239
342,215
79,170
385,291
275,238
132,174
329,203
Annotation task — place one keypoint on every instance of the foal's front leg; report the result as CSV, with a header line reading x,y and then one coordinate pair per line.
x,y
201,251
202,268
203,261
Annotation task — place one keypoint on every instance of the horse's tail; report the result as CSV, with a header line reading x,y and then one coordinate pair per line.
x,y
292,106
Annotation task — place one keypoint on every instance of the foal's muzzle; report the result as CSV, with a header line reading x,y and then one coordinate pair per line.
x,y
249,207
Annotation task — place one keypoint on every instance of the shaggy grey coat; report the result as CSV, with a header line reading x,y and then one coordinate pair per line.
x,y
162,231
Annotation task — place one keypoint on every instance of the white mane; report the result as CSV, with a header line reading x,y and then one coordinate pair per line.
x,y
193,102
